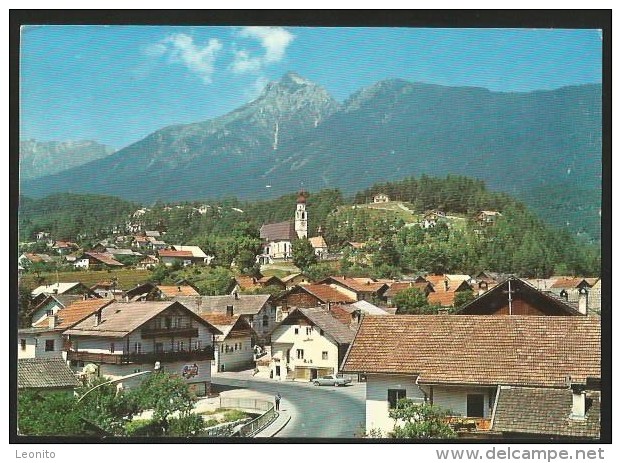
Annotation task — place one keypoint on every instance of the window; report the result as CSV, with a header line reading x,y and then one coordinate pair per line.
x,y
137,370
320,332
266,321
158,323
137,347
49,345
475,405
235,346
179,322
180,346
159,347
300,353
168,322
112,347
22,343
198,345
394,395
324,355
309,330
296,331
49,312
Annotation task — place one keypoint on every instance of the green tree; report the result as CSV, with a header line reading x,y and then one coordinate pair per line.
x,y
420,421
303,254
51,414
413,301
214,281
462,298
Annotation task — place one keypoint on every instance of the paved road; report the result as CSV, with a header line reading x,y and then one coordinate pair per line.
x,y
317,411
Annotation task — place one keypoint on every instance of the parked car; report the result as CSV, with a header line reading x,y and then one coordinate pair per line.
x,y
331,380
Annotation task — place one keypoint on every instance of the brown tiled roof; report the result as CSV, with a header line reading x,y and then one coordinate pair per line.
x,y
281,231
359,285
177,290
545,411
75,312
104,258
341,314
479,349
326,293
245,304
569,283
342,333
171,253
38,257
49,373
444,298
121,318
318,242
437,281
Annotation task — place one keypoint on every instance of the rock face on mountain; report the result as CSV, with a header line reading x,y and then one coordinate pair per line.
x,y
295,132
37,159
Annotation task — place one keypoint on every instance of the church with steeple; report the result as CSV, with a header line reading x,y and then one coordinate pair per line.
x,y
279,237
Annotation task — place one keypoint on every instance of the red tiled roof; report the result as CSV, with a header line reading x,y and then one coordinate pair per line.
x,y
472,349
171,253
569,282
177,290
104,258
340,314
75,312
444,298
326,293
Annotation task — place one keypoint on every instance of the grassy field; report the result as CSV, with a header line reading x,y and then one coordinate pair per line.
x,y
127,278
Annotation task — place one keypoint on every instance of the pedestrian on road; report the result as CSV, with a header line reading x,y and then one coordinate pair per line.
x,y
277,400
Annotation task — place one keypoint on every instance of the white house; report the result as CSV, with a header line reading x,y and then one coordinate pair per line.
x,y
130,337
459,362
234,347
308,343
381,198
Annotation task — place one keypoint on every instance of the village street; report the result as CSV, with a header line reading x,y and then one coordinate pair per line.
x,y
316,411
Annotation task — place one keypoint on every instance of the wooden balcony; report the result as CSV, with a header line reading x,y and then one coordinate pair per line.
x,y
177,332
142,358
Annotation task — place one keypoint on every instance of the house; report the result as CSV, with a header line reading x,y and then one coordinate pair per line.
x,y
380,198
570,287
395,288
97,261
42,236
516,297
528,412
459,362
431,218
50,304
45,375
140,242
314,295
446,288
130,337
121,252
44,338
295,279
247,283
595,297
319,246
107,289
72,288
278,237
156,292
170,257
256,309
198,255
234,347
308,343
148,263
65,247
487,217
357,288
29,258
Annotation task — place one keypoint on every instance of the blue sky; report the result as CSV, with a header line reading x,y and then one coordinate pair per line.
x,y
117,84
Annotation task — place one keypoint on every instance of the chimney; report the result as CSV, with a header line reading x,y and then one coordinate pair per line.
x,y
52,321
98,317
563,294
84,297
446,285
482,287
55,290
583,300
578,402
179,288
229,310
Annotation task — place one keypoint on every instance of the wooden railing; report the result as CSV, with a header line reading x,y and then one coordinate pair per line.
x,y
186,332
146,357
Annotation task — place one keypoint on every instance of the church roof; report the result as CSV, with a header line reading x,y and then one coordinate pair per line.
x,y
281,231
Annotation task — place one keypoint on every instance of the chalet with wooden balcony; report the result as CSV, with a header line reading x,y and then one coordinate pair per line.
x,y
129,337
360,289
234,348
467,363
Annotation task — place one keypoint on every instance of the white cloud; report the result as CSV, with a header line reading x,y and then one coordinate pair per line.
x,y
274,41
197,59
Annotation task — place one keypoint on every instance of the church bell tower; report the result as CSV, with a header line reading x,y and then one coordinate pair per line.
x,y
301,216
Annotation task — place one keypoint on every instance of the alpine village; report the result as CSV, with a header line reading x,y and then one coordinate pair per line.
x,y
386,303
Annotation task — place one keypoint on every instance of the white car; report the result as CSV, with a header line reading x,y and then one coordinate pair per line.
x,y
331,380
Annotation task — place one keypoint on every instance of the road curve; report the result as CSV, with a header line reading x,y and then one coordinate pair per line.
x,y
316,411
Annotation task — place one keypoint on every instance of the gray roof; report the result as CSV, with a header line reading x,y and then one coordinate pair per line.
x,y
45,373
544,411
322,318
121,318
244,304
281,231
